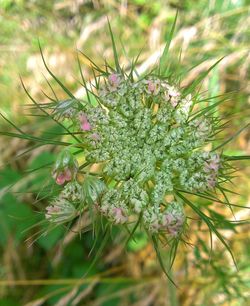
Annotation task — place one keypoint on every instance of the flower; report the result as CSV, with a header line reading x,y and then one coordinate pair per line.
x,y
172,94
119,215
114,81
154,226
201,129
211,168
186,104
211,181
64,176
183,109
173,218
153,87
145,149
213,164
151,218
72,192
85,125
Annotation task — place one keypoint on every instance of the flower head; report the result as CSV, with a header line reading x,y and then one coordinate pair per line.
x,y
143,140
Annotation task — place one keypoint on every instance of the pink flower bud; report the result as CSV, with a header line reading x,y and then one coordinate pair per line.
x,y
174,231
95,136
67,175
114,80
85,125
173,95
153,87
64,176
60,179
173,219
213,164
211,180
173,92
51,210
119,216
167,220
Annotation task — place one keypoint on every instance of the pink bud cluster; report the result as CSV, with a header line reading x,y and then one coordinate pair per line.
x,y
63,176
60,211
173,95
86,126
211,167
84,122
170,93
52,210
65,169
114,81
116,214
172,220
119,215
173,223
153,87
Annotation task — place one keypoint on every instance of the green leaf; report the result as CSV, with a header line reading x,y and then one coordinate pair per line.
x,y
200,78
99,251
231,138
138,243
52,74
210,225
47,114
158,254
134,229
117,65
34,138
165,55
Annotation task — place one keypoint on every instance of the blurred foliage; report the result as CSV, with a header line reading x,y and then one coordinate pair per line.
x,y
47,272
